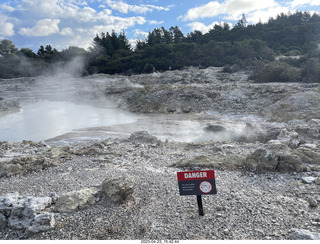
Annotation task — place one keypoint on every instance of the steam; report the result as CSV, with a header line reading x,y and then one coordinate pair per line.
x,y
73,68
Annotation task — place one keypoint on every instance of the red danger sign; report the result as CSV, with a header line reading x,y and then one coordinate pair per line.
x,y
197,182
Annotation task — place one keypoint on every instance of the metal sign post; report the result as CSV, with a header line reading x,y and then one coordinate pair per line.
x,y
197,183
199,200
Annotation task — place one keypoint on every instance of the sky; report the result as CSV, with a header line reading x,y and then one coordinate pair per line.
x,y
65,23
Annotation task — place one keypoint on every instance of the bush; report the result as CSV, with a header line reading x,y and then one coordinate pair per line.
x,y
311,70
277,72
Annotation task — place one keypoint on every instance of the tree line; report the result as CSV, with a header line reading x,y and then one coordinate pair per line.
x,y
243,46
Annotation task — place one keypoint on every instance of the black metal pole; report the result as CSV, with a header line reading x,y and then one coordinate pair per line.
x,y
199,200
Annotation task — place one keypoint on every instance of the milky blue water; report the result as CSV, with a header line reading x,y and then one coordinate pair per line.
x,y
46,119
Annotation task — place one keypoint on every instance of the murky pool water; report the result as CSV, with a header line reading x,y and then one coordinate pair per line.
x,y
46,119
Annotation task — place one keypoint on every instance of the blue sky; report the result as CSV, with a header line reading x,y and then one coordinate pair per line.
x,y
64,23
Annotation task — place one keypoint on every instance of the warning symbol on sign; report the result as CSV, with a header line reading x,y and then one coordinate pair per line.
x,y
205,187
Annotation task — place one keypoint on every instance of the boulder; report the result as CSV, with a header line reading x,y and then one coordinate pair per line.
x,y
215,128
75,200
25,209
21,212
118,190
269,160
28,163
301,234
143,137
42,222
231,161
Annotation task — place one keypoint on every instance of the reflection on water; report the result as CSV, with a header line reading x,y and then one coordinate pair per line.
x,y
43,120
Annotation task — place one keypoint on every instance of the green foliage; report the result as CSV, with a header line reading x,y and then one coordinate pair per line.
x,y
243,46
277,72
7,48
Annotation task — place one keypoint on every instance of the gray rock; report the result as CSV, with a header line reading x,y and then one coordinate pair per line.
x,y
301,234
268,160
118,190
308,179
3,221
312,202
75,200
143,136
25,209
42,222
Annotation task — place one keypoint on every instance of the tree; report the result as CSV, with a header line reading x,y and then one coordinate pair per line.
x,y
41,51
27,52
242,22
176,34
7,48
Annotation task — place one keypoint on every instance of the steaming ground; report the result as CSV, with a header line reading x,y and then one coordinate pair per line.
x,y
202,119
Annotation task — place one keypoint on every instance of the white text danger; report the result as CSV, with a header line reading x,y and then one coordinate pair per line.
x,y
195,175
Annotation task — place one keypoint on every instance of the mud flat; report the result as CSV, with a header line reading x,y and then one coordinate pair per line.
x,y
119,181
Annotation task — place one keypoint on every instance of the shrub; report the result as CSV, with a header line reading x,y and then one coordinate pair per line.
x,y
277,72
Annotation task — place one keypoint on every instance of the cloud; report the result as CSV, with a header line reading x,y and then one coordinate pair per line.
x,y
299,3
67,31
44,27
6,28
155,22
47,8
7,8
263,16
232,8
139,34
205,28
210,9
125,8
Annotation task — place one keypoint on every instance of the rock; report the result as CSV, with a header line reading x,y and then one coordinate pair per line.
x,y
19,212
268,160
277,145
308,179
290,138
301,234
143,136
118,190
312,202
28,163
42,222
308,155
74,201
218,161
215,128
3,221
25,209
9,105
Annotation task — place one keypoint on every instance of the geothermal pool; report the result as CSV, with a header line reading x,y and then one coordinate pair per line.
x,y
66,122
46,119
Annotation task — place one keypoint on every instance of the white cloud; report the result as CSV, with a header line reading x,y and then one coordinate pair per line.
x,y
208,10
263,16
232,8
47,8
125,8
44,27
205,28
67,31
155,22
7,8
139,34
299,3
6,28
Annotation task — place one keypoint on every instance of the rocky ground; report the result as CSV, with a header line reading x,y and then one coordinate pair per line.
x,y
267,170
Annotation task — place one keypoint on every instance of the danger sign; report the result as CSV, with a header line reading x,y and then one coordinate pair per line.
x,y
197,182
